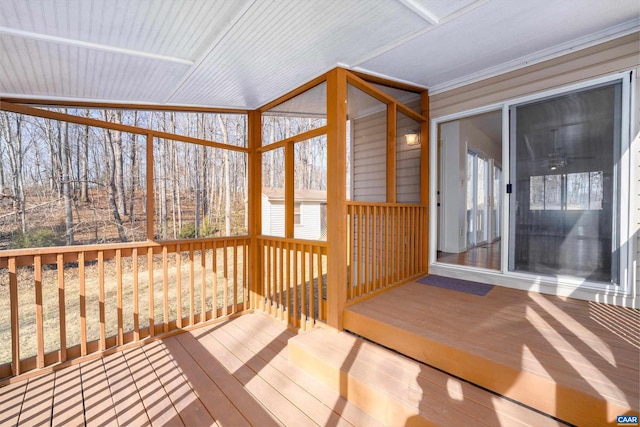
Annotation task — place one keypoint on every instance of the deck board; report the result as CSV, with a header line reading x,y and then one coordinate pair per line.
x,y
157,404
36,408
124,392
12,397
563,345
98,404
68,407
177,388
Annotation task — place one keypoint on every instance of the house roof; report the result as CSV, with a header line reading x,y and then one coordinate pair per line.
x,y
277,194
244,53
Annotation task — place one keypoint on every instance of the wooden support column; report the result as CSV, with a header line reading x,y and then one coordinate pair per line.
x,y
391,153
254,213
424,178
289,193
336,196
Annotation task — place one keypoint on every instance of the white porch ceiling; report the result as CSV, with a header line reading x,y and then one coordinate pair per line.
x,y
244,53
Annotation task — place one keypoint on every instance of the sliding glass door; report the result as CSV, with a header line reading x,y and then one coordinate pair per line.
x,y
564,210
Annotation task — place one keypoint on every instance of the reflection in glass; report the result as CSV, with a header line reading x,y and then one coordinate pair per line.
x,y
564,167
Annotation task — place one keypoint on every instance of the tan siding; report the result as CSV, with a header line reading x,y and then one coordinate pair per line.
x,y
369,158
407,162
616,55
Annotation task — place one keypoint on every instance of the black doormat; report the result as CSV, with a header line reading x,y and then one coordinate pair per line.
x,y
467,286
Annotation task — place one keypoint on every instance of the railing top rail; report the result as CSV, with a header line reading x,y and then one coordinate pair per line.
x,y
112,246
319,243
384,204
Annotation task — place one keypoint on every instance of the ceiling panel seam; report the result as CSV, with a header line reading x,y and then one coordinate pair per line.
x,y
89,45
196,64
406,39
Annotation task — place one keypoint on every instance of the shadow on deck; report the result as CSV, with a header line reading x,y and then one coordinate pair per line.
x,y
578,361
232,373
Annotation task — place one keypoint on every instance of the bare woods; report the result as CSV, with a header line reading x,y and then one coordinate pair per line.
x,y
65,183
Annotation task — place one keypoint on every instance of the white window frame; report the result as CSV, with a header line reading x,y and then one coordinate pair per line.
x,y
622,294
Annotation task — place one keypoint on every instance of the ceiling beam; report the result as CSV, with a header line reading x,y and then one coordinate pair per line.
x,y
421,11
89,45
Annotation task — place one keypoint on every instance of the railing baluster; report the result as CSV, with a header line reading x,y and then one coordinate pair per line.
x,y
83,305
178,287
295,286
136,303
320,287
287,289
350,239
119,296
192,300
15,318
303,293
225,269
62,308
312,292
245,274
203,282
214,271
165,289
367,254
152,323
374,258
37,272
360,250
279,248
103,332
235,276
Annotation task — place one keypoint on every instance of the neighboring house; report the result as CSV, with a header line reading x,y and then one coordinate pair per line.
x,y
309,215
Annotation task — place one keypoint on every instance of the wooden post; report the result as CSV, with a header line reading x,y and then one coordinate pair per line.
x,y
289,193
424,178
255,206
391,153
336,196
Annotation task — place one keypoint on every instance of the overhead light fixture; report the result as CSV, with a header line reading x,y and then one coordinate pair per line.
x,y
412,138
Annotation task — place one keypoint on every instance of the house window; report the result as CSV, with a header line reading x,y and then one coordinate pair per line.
x,y
572,192
297,217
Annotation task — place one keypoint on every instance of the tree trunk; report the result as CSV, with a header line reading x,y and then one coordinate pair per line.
x,y
84,164
66,183
111,183
119,164
227,178
133,179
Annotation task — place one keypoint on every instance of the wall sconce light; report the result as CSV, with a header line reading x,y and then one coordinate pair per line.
x,y
412,138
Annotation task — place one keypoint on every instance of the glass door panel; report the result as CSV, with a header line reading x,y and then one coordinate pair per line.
x,y
564,152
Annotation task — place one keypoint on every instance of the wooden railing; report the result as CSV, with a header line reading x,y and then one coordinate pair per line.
x,y
57,304
293,285
386,245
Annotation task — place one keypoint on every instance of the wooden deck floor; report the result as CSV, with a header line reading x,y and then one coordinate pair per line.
x,y
573,359
235,373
